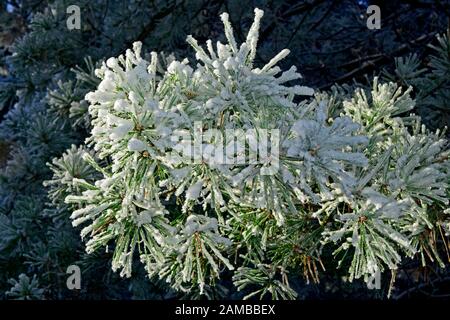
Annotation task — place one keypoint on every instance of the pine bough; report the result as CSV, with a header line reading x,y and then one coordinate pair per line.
x,y
371,183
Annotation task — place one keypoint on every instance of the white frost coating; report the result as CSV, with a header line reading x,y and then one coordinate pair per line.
x,y
252,37
280,56
368,194
136,145
303,91
194,191
120,105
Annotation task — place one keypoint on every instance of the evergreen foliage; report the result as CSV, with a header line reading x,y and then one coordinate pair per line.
x,y
90,174
361,177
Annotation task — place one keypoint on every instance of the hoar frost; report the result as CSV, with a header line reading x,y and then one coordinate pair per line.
x,y
339,180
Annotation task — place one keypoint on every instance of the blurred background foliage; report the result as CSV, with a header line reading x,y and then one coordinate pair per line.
x,y
46,69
